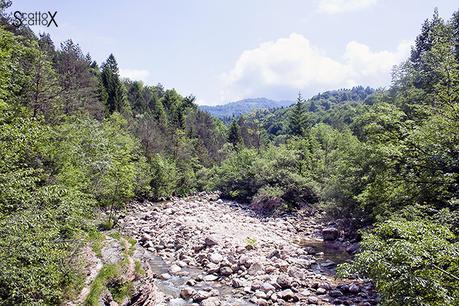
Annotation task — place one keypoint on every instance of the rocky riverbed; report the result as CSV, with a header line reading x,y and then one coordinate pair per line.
x,y
202,250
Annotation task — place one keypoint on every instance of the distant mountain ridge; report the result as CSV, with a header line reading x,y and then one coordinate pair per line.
x,y
244,106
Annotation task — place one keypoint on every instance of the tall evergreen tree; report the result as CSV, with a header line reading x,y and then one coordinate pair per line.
x,y
296,123
116,96
234,134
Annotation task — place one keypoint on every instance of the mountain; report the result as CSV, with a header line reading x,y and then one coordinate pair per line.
x,y
243,107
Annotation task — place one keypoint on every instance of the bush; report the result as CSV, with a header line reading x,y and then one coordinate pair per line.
x,y
268,179
411,263
268,199
163,177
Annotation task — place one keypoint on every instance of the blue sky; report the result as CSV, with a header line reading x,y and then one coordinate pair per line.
x,y
222,51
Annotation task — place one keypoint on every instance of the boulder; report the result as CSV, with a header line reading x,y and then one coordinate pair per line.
x,y
288,295
187,292
209,242
216,258
255,268
284,281
330,233
226,271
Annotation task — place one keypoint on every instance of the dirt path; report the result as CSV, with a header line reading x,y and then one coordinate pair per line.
x,y
204,251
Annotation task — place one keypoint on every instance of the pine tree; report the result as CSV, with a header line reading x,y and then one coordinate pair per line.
x,y
234,134
116,96
296,123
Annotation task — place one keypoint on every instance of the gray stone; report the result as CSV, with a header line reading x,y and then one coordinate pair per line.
x,y
353,288
330,233
216,258
255,268
288,295
226,271
174,269
284,282
335,293
209,241
210,278
187,293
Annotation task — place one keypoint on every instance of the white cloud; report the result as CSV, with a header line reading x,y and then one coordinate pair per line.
x,y
341,6
135,74
280,68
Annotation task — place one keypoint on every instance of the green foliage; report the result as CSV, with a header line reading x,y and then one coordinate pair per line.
x,y
244,173
105,274
411,263
163,177
101,159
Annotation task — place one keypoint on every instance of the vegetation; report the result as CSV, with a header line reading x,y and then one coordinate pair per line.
x,y
77,139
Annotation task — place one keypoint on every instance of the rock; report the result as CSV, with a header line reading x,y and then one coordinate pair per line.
x,y
146,237
284,282
330,233
245,261
335,293
200,295
255,268
321,291
210,278
313,300
216,258
295,273
288,295
174,269
260,294
267,287
165,276
353,288
212,301
262,302
274,253
187,293
209,242
237,283
328,263
353,248
219,201
181,264
310,250
212,268
226,271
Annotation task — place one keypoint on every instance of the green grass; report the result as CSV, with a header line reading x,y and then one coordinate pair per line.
x,y
116,235
100,282
97,241
138,269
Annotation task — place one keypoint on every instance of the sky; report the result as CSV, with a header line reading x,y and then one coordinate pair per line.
x,y
226,50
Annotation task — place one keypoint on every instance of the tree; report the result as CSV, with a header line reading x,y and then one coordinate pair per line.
x,y
296,122
78,83
116,96
234,135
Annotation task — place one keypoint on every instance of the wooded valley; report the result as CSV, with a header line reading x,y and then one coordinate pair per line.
x,y
79,143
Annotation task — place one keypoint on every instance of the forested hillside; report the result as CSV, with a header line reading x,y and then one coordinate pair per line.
x,y
76,140
234,109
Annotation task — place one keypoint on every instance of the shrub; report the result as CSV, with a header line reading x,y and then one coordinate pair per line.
x,y
411,263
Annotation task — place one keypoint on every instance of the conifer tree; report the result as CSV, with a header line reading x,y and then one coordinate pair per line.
x,y
296,123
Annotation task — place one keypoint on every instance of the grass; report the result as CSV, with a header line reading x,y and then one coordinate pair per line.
x,y
116,235
97,239
110,276
100,282
138,269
